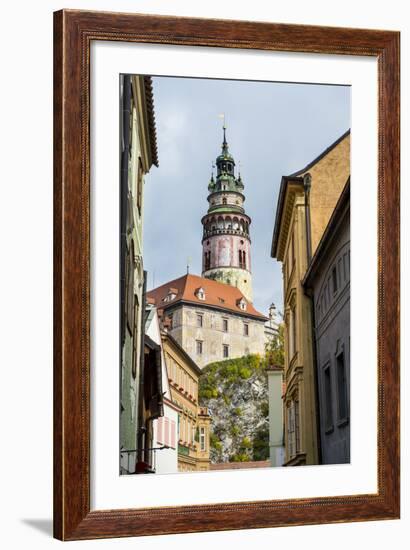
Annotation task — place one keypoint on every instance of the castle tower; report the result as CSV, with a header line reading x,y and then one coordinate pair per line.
x,y
226,242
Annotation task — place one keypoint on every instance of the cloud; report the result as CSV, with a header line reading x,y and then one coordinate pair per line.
x,y
272,128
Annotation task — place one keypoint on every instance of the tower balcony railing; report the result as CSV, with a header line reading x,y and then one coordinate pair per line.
x,y
227,231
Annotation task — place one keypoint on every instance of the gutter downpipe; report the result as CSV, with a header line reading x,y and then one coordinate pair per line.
x,y
307,183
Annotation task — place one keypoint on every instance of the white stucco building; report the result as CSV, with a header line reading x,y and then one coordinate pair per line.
x,y
165,428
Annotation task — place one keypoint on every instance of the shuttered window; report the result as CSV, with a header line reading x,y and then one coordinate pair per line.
x,y
166,431
160,438
172,434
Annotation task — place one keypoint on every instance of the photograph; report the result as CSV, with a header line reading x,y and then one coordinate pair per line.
x,y
234,274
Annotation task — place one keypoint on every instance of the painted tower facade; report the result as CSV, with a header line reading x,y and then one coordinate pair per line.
x,y
226,240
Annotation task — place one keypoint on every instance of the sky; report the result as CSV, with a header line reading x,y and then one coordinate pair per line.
x,y
273,129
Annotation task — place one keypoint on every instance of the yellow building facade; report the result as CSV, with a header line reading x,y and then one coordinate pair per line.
x,y
193,420
306,202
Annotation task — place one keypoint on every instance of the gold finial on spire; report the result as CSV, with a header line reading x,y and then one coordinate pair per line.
x,y
224,143
222,115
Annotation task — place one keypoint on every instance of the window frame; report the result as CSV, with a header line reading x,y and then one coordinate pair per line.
x,y
199,347
202,439
327,394
341,392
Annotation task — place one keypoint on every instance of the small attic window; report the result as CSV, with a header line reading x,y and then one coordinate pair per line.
x,y
221,300
241,303
172,294
200,293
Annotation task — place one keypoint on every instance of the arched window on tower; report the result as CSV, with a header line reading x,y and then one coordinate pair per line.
x,y
207,261
242,259
224,200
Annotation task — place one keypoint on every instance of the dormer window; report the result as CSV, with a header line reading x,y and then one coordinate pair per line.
x,y
241,303
172,294
200,293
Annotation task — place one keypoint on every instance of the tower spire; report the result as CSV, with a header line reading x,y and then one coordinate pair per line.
x,y
226,240
224,143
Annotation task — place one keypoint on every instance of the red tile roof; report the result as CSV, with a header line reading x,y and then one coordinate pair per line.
x,y
218,295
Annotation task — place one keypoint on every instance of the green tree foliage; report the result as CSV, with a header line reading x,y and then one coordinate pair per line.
x,y
235,390
275,349
261,444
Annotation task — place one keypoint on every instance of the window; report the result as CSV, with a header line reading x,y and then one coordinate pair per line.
x,y
159,430
166,431
129,296
241,303
182,428
334,279
224,200
341,387
140,184
292,332
135,340
225,349
297,426
200,293
202,441
199,320
246,329
199,347
225,325
207,262
171,321
328,398
291,429
172,434
242,259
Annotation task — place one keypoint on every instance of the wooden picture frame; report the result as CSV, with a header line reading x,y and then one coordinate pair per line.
x,y
74,32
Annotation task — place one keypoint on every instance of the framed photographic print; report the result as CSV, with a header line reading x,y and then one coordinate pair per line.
x,y
226,281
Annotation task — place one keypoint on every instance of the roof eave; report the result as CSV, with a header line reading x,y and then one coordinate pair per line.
x,y
331,228
279,211
321,155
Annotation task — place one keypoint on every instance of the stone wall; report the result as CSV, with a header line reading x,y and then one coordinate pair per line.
x,y
187,332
